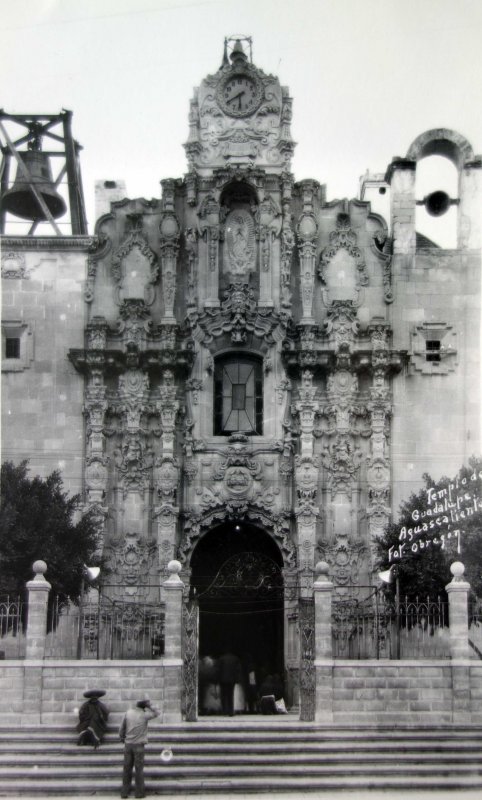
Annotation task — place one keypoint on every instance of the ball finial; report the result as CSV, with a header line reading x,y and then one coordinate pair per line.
x,y
322,571
457,569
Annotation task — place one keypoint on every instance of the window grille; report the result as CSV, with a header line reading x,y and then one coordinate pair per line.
x,y
238,396
432,350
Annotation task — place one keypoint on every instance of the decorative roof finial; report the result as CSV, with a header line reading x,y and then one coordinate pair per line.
x,y
225,62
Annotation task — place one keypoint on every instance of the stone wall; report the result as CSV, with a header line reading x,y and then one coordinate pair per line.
x,y
363,693
42,394
401,693
405,693
51,691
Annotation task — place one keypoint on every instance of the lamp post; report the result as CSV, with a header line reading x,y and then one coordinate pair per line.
x,y
388,576
90,574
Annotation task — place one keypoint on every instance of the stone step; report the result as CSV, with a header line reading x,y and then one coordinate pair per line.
x,y
104,761
217,757
254,785
235,771
271,749
312,733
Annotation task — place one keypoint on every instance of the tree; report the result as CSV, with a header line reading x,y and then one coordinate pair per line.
x,y
432,524
36,522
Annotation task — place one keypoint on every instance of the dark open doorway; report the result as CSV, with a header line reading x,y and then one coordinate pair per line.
x,y
238,582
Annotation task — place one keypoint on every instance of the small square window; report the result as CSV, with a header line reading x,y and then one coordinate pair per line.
x,y
17,346
12,347
432,350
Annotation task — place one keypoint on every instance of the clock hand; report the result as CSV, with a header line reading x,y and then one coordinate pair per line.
x,y
235,96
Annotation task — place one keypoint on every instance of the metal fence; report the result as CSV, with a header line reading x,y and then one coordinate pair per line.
x,y
102,628
12,627
475,626
367,625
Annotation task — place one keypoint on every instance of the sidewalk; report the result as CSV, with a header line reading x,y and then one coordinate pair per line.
x,y
331,794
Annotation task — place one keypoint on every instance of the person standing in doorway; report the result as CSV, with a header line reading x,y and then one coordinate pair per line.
x,y
133,732
230,673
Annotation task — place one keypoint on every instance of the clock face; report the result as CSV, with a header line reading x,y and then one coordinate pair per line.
x,y
239,95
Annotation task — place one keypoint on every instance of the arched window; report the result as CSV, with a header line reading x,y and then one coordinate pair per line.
x,y
238,395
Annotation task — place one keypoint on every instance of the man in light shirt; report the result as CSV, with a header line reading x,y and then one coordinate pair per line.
x,y
133,732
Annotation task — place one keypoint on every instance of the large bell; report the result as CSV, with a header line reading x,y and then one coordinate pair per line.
x,y
21,201
437,203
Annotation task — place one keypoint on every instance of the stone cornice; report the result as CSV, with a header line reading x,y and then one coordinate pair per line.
x,y
56,243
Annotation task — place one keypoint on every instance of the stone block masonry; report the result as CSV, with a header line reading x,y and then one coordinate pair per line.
x,y
438,692
51,692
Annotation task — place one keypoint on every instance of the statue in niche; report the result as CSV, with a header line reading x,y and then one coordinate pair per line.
x,y
240,253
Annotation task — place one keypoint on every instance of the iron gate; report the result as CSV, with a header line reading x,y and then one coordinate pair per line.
x,y
190,627
307,658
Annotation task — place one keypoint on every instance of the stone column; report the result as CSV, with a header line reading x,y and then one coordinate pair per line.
x,y
169,230
401,177
323,591
307,230
457,591
470,191
38,595
173,593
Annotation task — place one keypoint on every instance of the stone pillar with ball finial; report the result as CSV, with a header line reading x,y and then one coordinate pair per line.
x,y
458,590
323,592
173,593
38,595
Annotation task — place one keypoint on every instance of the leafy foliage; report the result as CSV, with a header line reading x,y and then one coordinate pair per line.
x,y
36,522
426,572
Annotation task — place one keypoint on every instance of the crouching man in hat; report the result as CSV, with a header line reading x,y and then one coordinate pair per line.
x,y
133,732
92,719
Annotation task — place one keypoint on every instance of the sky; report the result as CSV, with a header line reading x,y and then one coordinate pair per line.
x,y
366,77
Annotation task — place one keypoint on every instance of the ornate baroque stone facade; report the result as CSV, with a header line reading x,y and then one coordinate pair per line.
x,y
244,350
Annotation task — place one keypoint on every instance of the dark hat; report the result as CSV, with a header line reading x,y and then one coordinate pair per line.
x,y
143,703
92,693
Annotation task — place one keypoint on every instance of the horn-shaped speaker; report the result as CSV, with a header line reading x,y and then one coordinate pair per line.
x,y
386,576
20,200
437,203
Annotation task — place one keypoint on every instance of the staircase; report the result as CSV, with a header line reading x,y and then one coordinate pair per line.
x,y
246,754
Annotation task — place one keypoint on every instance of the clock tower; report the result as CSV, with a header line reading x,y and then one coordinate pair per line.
x,y
240,116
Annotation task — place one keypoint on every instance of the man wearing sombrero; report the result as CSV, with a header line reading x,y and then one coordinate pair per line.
x,y
92,719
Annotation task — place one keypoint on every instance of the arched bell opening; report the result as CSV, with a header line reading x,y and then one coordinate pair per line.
x,y
437,193
442,157
237,579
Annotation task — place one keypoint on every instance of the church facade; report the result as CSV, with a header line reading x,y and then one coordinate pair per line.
x,y
243,375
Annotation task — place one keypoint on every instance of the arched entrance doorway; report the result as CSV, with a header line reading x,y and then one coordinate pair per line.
x,y
237,579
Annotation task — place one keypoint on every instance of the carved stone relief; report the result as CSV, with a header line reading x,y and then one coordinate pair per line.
x,y
275,523
342,266
239,244
14,266
342,326
133,564
134,268
262,136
